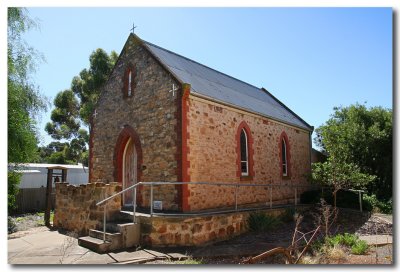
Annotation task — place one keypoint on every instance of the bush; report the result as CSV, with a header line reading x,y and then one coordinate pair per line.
x,y
344,199
14,179
12,227
314,196
261,222
357,246
342,239
360,248
371,203
288,215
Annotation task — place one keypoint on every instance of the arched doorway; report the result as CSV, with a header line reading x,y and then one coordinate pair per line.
x,y
129,171
128,163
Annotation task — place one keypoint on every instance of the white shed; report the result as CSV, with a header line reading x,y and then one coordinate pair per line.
x,y
32,194
34,175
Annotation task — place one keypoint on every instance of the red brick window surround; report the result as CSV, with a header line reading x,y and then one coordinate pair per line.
x,y
284,152
129,81
244,152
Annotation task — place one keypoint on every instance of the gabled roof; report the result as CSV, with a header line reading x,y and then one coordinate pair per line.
x,y
218,86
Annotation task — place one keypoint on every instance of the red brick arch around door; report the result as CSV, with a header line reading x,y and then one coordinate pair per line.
x,y
127,133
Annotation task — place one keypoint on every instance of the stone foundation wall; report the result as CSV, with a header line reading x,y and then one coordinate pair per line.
x,y
75,207
196,231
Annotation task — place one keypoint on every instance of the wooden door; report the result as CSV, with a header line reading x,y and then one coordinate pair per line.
x,y
129,172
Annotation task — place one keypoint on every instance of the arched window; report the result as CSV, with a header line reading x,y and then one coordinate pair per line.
x,y
244,153
129,81
284,147
284,159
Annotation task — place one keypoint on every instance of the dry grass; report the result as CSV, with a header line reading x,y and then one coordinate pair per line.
x,y
336,253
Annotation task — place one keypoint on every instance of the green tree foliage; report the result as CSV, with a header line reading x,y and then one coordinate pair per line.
x,y
74,107
24,100
362,138
65,117
340,175
88,84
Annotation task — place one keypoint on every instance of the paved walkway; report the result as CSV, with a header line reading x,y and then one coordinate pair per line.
x,y
377,240
52,247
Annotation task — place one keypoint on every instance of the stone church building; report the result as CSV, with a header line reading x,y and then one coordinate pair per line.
x,y
163,117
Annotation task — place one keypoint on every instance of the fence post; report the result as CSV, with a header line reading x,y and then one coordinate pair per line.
x,y
360,200
151,199
270,196
104,222
134,205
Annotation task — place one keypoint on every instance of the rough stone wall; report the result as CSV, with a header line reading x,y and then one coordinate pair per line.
x,y
213,156
199,230
152,112
75,207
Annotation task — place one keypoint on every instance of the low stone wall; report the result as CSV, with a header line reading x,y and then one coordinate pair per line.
x,y
197,230
75,207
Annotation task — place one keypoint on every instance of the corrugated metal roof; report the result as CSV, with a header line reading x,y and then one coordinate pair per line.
x,y
219,86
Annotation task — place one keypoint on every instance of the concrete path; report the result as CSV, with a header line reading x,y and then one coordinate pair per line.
x,y
52,247
377,240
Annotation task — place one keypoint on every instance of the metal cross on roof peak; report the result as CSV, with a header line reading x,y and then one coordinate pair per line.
x,y
133,28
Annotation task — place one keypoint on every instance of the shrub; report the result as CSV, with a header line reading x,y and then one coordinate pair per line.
x,y
359,248
262,222
14,179
288,215
386,207
342,239
12,227
371,203
311,197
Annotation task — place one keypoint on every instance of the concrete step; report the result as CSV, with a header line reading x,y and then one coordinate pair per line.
x,y
94,244
110,237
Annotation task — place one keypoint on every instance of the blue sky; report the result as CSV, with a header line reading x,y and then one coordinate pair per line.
x,y
312,59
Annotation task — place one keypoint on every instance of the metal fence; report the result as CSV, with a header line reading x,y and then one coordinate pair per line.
x,y
237,207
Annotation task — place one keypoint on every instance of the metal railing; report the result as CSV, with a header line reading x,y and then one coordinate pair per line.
x,y
235,185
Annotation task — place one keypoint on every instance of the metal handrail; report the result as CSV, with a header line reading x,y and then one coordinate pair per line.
x,y
116,194
236,185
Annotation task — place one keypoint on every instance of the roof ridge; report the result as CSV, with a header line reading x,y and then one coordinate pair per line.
x,y
202,65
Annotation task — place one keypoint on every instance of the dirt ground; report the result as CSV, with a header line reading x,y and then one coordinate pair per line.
x,y
349,221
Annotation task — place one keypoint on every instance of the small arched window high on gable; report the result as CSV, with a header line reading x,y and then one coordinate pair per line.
x,y
129,81
244,153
